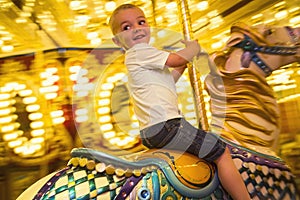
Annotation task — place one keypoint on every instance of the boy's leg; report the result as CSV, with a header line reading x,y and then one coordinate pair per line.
x,y
230,178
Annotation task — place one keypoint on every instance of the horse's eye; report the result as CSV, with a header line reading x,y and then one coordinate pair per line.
x,y
269,32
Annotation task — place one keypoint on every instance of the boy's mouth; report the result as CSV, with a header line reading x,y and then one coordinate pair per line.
x,y
138,37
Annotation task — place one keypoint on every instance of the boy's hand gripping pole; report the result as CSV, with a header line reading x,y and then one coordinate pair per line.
x,y
194,74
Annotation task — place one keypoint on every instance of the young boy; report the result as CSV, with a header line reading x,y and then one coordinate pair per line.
x,y
152,87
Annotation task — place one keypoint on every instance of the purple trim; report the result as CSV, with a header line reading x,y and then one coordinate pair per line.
x,y
248,156
128,187
46,187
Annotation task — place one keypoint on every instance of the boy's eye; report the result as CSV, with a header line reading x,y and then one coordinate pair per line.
x,y
127,27
142,22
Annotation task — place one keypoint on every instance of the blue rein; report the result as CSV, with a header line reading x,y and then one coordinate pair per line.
x,y
250,46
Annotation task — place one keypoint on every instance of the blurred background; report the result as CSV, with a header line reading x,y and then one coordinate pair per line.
x,y
63,84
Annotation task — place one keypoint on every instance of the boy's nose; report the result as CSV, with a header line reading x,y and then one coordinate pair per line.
x,y
136,30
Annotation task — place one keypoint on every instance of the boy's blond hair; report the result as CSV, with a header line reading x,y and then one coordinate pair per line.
x,y
112,23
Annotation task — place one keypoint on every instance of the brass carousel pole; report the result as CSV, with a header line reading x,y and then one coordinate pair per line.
x,y
185,20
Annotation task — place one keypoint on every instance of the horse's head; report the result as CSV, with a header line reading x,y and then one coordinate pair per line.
x,y
243,105
261,48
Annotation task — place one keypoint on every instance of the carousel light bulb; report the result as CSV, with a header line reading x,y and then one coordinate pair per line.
x,y
58,120
295,20
56,113
19,149
82,93
92,35
152,40
134,132
10,136
4,104
107,86
73,77
216,45
47,82
24,93
6,38
122,143
114,140
29,100
49,89
4,96
96,41
35,116
106,127
294,9
7,48
171,6
32,108
110,6
202,5
161,33
104,94
133,118
36,124
21,20
109,134
281,14
103,110
7,119
28,150
37,140
20,87
6,111
49,96
74,68
37,132
111,79
52,70
103,102
135,125
257,16
75,5
81,119
15,143
105,119
82,111
213,13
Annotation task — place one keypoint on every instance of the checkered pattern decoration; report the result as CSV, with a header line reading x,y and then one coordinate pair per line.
x,y
66,183
266,177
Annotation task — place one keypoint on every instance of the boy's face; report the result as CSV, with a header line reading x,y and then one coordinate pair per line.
x,y
130,28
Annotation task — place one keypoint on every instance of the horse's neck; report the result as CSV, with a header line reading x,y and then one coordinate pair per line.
x,y
244,108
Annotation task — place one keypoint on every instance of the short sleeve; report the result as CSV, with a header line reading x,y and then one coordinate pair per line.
x,y
149,57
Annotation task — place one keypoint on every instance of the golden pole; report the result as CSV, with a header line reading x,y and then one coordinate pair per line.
x,y
185,20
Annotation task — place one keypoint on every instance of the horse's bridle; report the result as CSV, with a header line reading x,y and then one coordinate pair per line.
x,y
248,45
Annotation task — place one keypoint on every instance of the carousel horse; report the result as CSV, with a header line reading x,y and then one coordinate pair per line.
x,y
244,114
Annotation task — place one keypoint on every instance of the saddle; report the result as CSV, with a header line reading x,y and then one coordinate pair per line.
x,y
183,169
189,169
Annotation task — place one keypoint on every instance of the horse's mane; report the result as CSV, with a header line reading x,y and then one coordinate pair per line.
x,y
236,94
252,31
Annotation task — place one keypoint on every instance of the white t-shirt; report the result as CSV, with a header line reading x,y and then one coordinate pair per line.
x,y
151,85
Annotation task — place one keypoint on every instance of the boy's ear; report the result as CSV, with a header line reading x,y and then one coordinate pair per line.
x,y
116,41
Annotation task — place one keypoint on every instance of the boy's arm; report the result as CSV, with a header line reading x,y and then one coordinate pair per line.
x,y
177,72
183,56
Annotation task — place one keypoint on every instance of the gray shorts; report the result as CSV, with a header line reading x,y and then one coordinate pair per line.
x,y
178,134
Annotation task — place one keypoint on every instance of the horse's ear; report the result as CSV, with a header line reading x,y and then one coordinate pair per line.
x,y
219,59
234,39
